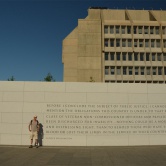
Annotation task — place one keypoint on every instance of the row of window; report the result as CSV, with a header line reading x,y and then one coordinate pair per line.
x,y
132,81
136,43
117,29
129,56
129,70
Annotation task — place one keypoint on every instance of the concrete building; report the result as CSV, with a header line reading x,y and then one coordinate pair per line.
x,y
117,46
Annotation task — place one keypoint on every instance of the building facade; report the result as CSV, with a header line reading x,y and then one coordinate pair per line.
x,y
121,46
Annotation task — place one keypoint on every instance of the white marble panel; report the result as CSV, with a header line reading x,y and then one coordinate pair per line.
x,y
107,98
9,128
13,96
138,98
1,96
137,88
33,107
26,139
55,97
157,98
125,108
86,87
34,86
64,140
10,86
33,96
76,97
12,107
25,129
157,139
118,88
55,87
10,139
1,86
139,139
1,108
121,140
156,88
11,117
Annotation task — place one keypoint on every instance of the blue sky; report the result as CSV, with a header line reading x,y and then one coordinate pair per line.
x,y
32,31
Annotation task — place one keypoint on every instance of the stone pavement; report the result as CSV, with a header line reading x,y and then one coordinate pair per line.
x,y
83,156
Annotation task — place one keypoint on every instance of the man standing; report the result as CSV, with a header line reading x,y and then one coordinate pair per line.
x,y
34,128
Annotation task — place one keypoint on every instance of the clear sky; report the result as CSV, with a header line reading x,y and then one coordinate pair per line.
x,y
32,31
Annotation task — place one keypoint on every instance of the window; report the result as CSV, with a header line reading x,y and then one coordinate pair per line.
x,y
128,30
106,42
123,42
151,30
140,29
117,29
130,70
112,70
142,70
158,43
147,57
135,42
106,70
129,43
159,56
136,70
153,57
146,43
146,30
112,56
124,56
112,29
164,30
141,56
157,30
164,42
117,42
152,43
154,70
118,70
164,70
135,29
141,43
105,29
148,70
124,70
123,29
106,56
159,70
118,56
136,56
111,42
164,56
130,56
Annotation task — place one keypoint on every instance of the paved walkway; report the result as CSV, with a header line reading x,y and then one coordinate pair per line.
x,y
83,156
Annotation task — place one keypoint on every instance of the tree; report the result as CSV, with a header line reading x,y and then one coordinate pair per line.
x,y
49,78
11,78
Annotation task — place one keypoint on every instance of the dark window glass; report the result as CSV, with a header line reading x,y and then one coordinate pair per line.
x,y
106,56
105,29
106,42
112,56
130,56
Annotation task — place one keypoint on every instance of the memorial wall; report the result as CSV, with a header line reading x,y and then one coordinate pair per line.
x,y
83,114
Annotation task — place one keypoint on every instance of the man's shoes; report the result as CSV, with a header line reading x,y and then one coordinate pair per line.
x,y
30,146
37,146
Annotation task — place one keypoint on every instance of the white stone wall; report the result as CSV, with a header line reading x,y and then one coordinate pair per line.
x,y
84,114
